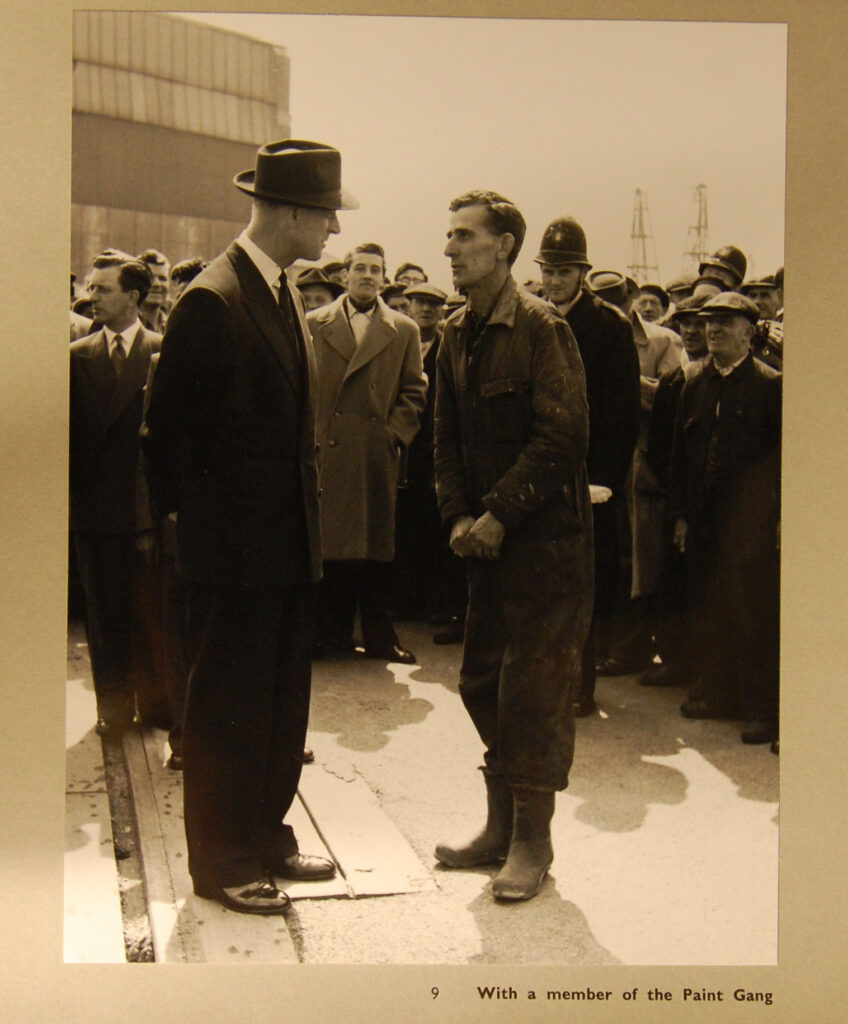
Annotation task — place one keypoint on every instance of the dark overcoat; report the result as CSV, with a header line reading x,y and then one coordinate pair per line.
x,y
229,434
370,398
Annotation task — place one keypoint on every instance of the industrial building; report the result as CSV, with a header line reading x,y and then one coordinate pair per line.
x,y
165,112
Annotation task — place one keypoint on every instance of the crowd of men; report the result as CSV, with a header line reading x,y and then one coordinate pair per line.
x,y
574,477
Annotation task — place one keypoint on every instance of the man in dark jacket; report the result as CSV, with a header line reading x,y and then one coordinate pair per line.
x,y
611,363
230,439
511,435
724,501
110,514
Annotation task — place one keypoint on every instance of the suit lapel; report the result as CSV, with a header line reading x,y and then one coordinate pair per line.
x,y
131,381
265,313
380,332
98,369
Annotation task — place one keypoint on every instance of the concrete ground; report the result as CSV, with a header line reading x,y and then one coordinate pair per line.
x,y
666,841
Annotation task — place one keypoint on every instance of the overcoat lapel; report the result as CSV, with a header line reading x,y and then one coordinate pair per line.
x,y
380,332
336,330
265,313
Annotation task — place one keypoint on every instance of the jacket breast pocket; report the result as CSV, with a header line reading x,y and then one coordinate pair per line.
x,y
506,409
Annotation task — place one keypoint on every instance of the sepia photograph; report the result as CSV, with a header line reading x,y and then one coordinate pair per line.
x,y
413,504
604,645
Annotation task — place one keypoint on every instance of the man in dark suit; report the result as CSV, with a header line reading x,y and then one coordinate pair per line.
x,y
371,391
110,515
230,440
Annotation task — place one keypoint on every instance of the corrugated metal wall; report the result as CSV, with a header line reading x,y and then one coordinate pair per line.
x,y
156,69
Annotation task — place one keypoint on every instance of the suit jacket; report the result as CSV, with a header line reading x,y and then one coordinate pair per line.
x,y
370,398
108,493
229,434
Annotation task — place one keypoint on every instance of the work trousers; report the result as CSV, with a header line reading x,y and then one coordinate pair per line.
x,y
520,671
245,724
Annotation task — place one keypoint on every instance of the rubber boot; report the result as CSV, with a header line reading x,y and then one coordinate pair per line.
x,y
530,852
492,843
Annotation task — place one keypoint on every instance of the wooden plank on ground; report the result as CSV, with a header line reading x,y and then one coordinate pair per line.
x,y
374,855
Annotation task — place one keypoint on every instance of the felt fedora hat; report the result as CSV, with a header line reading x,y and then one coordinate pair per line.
x,y
299,173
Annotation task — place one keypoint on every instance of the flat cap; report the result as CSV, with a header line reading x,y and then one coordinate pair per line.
x,y
425,290
732,303
763,282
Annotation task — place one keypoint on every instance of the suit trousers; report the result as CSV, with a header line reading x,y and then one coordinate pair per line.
x,y
346,584
605,520
245,724
106,562
519,675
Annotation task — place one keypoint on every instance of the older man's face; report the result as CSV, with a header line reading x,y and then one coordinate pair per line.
x,y
425,312
649,307
728,337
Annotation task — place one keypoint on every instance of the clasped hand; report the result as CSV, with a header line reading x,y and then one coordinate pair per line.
x,y
477,538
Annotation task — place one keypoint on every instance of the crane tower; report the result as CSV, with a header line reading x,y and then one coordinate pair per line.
x,y
643,243
698,238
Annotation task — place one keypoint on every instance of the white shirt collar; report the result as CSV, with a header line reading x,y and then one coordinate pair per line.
x,y
127,335
270,271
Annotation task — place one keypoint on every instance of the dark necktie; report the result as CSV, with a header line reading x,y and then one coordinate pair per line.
x,y
287,312
118,357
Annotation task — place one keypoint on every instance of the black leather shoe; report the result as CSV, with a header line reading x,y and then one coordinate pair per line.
x,y
308,755
393,653
702,709
758,732
111,726
659,675
301,867
175,762
584,706
259,897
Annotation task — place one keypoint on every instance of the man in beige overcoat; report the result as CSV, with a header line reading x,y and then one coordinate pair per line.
x,y
371,392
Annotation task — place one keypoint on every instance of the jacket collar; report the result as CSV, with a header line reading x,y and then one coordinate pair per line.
x,y
503,311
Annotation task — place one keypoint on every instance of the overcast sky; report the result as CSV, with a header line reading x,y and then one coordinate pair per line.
x,y
562,117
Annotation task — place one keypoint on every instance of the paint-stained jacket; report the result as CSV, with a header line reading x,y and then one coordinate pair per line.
x,y
512,429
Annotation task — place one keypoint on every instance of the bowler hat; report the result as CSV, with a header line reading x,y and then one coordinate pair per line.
x,y
425,290
315,276
298,173
732,303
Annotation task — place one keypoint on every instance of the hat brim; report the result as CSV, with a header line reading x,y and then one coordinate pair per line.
x,y
340,200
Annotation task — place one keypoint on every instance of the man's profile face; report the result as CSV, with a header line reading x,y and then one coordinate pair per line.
x,y
475,251
425,312
110,305
728,337
315,296
766,300
312,228
364,277
561,283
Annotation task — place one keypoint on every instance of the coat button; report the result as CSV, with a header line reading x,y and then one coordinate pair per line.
x,y
332,444
337,413
317,448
